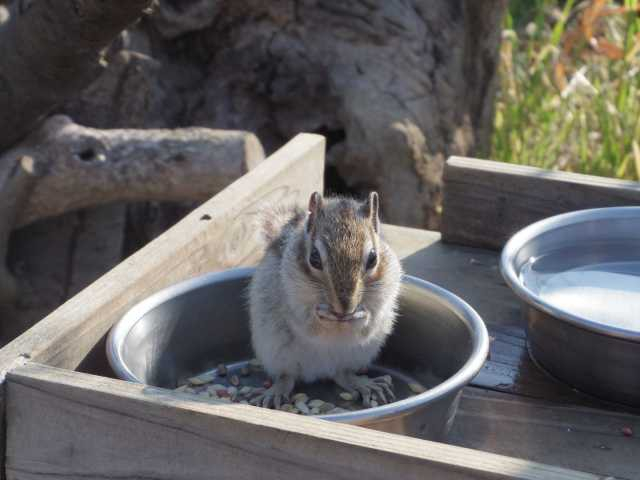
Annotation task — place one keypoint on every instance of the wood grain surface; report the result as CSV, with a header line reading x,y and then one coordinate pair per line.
x,y
219,234
486,202
90,427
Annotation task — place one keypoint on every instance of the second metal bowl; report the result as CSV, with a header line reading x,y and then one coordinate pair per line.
x,y
579,277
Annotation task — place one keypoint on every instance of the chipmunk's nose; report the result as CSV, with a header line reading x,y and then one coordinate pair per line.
x,y
346,306
346,296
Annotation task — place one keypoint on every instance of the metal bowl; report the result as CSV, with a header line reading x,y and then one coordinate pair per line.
x,y
579,277
191,327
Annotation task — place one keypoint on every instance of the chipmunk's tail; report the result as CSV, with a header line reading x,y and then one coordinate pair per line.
x,y
276,221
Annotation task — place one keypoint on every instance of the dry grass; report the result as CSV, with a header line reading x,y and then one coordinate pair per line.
x,y
570,87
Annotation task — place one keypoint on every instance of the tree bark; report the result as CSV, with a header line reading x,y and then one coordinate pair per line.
x,y
51,50
87,167
397,86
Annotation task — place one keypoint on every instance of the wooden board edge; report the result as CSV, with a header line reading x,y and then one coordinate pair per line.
x,y
486,202
495,167
296,440
63,337
17,362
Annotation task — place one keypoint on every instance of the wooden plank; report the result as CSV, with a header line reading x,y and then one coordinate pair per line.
x,y
98,245
92,427
217,235
567,436
486,202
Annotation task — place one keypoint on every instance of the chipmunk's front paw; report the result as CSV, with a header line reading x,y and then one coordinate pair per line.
x,y
378,389
275,395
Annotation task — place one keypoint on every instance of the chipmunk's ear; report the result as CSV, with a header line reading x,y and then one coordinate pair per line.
x,y
371,206
315,205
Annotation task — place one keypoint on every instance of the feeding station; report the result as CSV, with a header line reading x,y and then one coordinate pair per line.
x,y
66,415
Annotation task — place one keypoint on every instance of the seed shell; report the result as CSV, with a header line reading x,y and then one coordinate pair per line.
x,y
416,388
346,396
300,397
255,364
303,407
326,407
202,379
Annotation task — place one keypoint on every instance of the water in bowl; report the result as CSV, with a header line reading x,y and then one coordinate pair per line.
x,y
600,283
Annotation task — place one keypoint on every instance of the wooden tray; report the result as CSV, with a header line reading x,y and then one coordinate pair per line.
x,y
64,418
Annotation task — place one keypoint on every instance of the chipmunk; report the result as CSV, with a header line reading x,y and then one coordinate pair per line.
x,y
323,300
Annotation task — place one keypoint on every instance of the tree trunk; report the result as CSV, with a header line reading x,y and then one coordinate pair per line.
x,y
51,50
397,86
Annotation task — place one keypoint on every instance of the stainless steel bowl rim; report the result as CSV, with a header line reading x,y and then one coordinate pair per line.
x,y
522,237
462,377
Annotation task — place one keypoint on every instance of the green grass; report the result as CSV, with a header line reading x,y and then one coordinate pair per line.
x,y
587,132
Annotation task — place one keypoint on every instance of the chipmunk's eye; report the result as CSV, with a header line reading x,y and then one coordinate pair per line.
x,y
314,259
372,260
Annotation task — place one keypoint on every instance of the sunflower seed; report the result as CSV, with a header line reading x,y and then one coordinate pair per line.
x,y
300,397
316,403
303,407
374,403
181,388
417,388
346,396
326,407
202,379
337,410
287,407
246,390
314,411
255,364
234,380
387,379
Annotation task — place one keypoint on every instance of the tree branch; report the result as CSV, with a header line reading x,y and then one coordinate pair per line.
x,y
87,167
